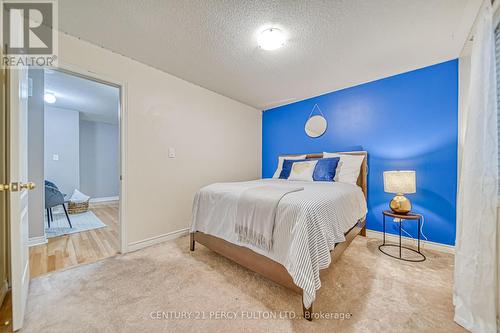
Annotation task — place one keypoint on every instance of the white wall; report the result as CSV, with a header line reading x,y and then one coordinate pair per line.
x,y
99,159
215,137
62,138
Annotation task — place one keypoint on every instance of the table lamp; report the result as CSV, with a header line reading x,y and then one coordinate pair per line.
x,y
400,183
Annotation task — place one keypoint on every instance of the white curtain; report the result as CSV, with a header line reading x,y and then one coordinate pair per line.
x,y
475,259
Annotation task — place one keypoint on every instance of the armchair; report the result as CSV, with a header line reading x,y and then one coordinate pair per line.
x,y
54,197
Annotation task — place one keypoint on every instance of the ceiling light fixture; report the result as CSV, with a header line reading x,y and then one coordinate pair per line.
x,y
271,39
49,98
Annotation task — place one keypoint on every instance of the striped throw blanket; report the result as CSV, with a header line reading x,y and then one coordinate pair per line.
x,y
256,212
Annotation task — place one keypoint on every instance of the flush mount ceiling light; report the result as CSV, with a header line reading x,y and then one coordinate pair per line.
x,y
271,39
49,98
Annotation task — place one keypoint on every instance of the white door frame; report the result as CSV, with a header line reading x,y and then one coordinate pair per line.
x,y
122,122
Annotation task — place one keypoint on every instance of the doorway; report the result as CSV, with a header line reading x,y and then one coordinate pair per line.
x,y
74,151
16,191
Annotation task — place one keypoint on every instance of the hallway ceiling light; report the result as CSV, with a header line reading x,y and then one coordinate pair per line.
x,y
271,39
49,98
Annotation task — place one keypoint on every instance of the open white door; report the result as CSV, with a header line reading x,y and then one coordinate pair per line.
x,y
17,110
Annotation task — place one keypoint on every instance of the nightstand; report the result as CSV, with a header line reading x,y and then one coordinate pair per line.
x,y
411,217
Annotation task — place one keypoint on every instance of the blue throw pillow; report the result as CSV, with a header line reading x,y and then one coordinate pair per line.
x,y
325,169
323,172
287,168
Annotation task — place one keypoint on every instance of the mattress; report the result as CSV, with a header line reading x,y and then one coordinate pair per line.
x,y
308,223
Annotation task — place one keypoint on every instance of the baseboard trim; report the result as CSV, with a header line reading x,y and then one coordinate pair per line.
x,y
33,241
104,199
134,246
412,242
4,288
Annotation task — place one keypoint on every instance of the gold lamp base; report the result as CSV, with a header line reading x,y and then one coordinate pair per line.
x,y
400,204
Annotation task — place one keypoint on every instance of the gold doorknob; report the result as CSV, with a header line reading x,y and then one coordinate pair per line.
x,y
27,186
4,187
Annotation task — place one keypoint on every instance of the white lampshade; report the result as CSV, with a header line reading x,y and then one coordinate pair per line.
x,y
400,182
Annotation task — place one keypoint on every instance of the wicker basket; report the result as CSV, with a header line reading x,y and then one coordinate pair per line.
x,y
78,207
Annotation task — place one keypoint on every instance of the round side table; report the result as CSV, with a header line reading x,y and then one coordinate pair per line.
x,y
411,217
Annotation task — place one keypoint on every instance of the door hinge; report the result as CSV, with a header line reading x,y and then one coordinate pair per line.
x,y
12,187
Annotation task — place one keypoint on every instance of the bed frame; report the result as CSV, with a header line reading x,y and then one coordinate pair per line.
x,y
269,268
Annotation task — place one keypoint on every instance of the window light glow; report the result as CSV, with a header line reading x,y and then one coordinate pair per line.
x,y
49,98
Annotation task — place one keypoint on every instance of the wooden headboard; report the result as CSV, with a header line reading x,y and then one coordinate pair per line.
x,y
363,174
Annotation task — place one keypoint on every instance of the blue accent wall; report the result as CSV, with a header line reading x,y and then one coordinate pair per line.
x,y
405,122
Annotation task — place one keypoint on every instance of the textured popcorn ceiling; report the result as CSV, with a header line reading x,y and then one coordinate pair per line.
x,y
332,44
95,101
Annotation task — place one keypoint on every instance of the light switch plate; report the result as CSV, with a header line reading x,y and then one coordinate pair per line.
x,y
171,152
55,157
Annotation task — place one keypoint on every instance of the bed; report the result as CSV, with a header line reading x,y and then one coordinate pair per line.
x,y
312,228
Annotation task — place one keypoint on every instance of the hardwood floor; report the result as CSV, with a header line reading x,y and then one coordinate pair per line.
x,y
79,248
6,314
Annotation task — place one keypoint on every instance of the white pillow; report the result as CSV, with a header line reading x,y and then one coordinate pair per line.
x,y
303,171
348,168
280,163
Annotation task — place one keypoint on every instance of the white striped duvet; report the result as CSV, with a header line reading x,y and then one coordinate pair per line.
x,y
307,226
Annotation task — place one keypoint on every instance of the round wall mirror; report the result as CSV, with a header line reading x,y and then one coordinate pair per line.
x,y
316,126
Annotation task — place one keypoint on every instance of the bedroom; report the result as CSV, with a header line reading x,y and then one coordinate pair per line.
x,y
73,150
390,85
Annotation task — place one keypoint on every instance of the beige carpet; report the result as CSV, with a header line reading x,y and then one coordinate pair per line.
x,y
122,294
